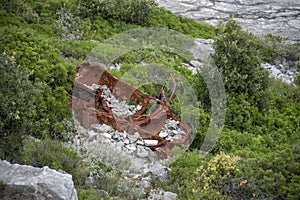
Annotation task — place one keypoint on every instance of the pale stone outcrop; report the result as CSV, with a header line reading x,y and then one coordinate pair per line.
x,y
26,182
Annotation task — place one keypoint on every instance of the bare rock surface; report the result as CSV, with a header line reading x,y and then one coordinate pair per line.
x,y
27,182
278,17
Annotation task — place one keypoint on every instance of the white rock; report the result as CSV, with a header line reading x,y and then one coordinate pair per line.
x,y
163,134
151,143
140,142
126,141
107,135
133,138
131,147
176,137
141,152
124,134
169,196
92,136
27,182
116,135
102,139
138,107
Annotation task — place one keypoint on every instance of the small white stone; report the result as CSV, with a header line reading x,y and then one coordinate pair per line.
x,y
133,138
163,134
124,134
140,142
107,135
151,143
92,136
176,137
141,152
131,147
126,141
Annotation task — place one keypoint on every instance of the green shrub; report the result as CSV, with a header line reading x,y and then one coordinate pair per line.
x,y
20,8
130,11
106,165
293,52
88,194
271,175
193,177
297,76
242,113
47,68
17,95
273,48
238,57
162,18
250,171
56,156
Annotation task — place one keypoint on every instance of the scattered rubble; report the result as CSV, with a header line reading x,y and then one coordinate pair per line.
x,y
280,72
114,116
100,98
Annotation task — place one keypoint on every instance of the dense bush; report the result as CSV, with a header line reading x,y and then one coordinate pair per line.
x,y
193,177
238,57
17,109
162,18
130,11
250,167
46,67
297,76
88,194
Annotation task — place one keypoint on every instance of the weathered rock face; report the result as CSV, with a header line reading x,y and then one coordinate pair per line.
x,y
26,183
278,17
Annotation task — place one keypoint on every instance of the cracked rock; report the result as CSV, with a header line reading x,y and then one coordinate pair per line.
x,y
280,18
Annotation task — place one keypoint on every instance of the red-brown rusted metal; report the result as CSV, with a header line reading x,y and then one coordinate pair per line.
x,y
92,108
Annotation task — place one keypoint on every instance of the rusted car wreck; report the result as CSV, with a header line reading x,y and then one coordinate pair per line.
x,y
90,107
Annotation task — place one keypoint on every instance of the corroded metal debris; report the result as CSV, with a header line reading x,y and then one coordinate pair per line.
x,y
90,107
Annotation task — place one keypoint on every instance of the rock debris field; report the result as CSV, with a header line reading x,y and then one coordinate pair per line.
x,y
278,17
105,144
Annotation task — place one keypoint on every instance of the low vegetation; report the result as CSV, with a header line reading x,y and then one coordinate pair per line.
x,y
257,155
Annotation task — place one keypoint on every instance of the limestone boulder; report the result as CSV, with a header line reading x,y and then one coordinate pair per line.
x,y
24,182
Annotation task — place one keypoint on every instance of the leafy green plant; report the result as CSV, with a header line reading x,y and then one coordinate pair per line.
x,y
238,57
17,95
131,11
193,177
88,194
106,165
162,18
273,48
46,68
297,76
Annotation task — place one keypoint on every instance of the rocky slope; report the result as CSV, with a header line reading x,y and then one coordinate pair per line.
x,y
278,17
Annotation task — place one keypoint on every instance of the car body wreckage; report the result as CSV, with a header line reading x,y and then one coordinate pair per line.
x,y
90,107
